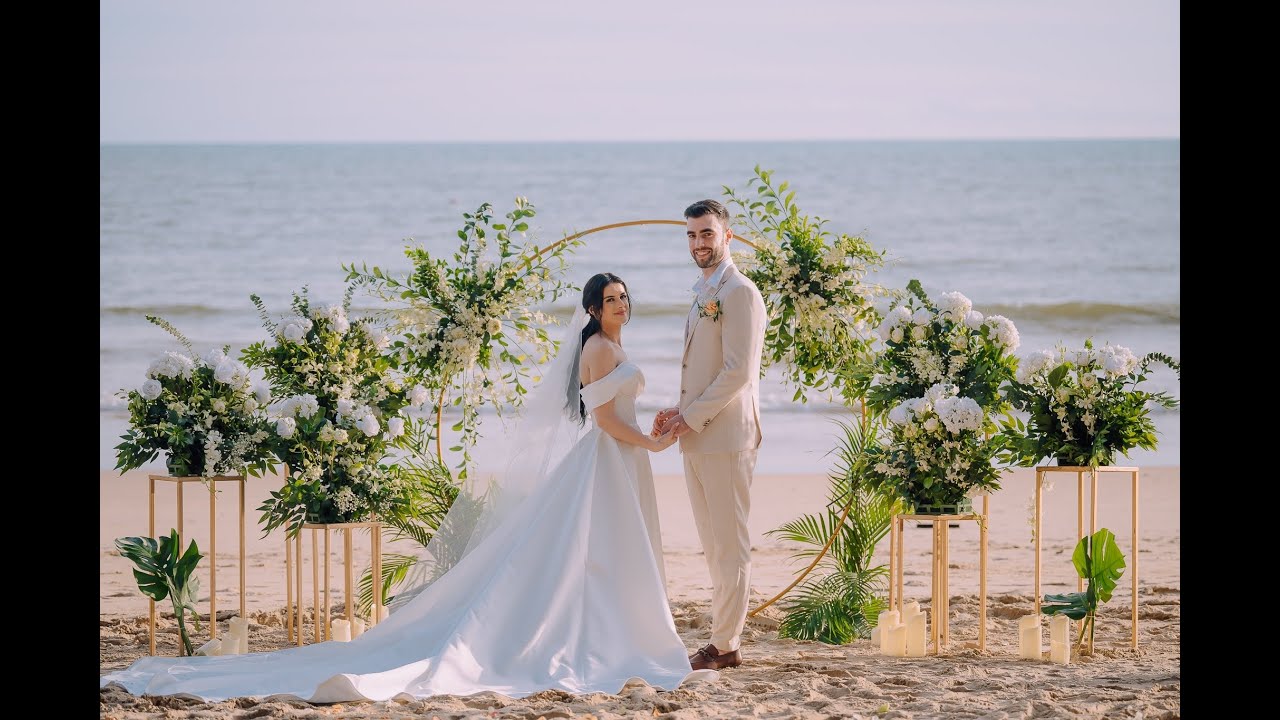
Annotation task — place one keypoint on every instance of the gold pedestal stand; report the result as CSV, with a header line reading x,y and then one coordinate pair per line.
x,y
1094,473
293,576
213,535
940,631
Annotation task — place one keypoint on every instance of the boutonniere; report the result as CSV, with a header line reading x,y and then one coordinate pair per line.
x,y
710,309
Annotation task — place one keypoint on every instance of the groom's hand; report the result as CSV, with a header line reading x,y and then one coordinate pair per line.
x,y
676,425
660,420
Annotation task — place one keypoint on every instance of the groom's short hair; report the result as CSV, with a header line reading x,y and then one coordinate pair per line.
x,y
702,207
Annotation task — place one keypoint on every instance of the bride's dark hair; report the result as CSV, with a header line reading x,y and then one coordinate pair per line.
x,y
593,304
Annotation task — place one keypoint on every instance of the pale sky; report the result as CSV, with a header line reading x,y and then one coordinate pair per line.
x,y
605,70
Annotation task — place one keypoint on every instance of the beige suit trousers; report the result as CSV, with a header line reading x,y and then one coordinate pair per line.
x,y
720,492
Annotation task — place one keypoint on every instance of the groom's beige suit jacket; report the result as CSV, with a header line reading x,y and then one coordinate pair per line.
x,y
720,371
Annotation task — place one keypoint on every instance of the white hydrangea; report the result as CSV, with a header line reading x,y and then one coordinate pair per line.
x,y
1006,333
369,425
150,389
900,414
1118,360
285,427
172,364
955,306
959,414
940,391
1036,362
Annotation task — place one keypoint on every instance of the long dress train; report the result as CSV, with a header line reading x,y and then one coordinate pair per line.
x,y
570,595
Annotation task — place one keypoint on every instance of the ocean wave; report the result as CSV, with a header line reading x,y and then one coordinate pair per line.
x,y
1066,312
167,311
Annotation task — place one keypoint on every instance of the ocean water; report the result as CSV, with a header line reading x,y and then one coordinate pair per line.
x,y
1069,239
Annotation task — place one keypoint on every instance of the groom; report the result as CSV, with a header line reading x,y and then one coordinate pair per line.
x,y
718,422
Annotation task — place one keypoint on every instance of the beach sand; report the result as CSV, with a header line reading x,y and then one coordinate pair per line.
x,y
780,678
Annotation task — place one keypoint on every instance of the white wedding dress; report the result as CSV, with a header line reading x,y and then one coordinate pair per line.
x,y
569,595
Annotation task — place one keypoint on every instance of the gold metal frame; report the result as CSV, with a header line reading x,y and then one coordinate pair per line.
x,y
939,609
1080,470
293,582
213,535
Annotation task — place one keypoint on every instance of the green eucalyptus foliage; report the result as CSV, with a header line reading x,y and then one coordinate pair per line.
x,y
1099,561
842,604
163,571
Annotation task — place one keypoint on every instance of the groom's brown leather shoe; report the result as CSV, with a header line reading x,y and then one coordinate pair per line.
x,y
709,658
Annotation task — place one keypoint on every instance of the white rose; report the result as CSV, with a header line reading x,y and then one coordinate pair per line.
x,y
418,395
219,405
292,332
369,425
973,320
262,392
395,427
960,342
150,389
921,317
896,334
339,436
918,332
931,424
341,325
226,371
1087,380
345,407
250,404
214,357
494,326
285,427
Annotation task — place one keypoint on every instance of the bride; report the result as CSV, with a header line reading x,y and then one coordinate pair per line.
x,y
553,579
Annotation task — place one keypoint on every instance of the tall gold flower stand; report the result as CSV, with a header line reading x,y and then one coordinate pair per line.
x,y
212,482
939,633
293,575
1094,473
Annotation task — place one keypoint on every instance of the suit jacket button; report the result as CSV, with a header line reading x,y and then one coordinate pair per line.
x,y
682,391
684,365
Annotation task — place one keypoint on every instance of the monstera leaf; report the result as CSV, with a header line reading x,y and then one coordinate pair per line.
x,y
1099,561
163,571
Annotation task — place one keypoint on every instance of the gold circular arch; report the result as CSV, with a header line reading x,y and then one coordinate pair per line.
x,y
632,223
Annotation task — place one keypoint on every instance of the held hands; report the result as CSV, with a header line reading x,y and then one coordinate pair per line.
x,y
662,442
669,421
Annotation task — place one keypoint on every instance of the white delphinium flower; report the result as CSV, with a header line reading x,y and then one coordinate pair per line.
x,y
369,425
955,306
151,389
395,427
285,427
1006,333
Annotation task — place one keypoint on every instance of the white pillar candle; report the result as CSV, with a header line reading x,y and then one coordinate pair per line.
x,y
383,612
357,627
875,636
1029,638
340,630
909,609
1060,653
916,631
1059,629
898,640
888,618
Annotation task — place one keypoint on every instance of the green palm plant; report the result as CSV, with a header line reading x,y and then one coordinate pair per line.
x,y
163,570
434,491
1098,560
841,605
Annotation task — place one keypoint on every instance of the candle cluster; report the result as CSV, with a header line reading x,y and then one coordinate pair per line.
x,y
344,630
902,634
235,642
